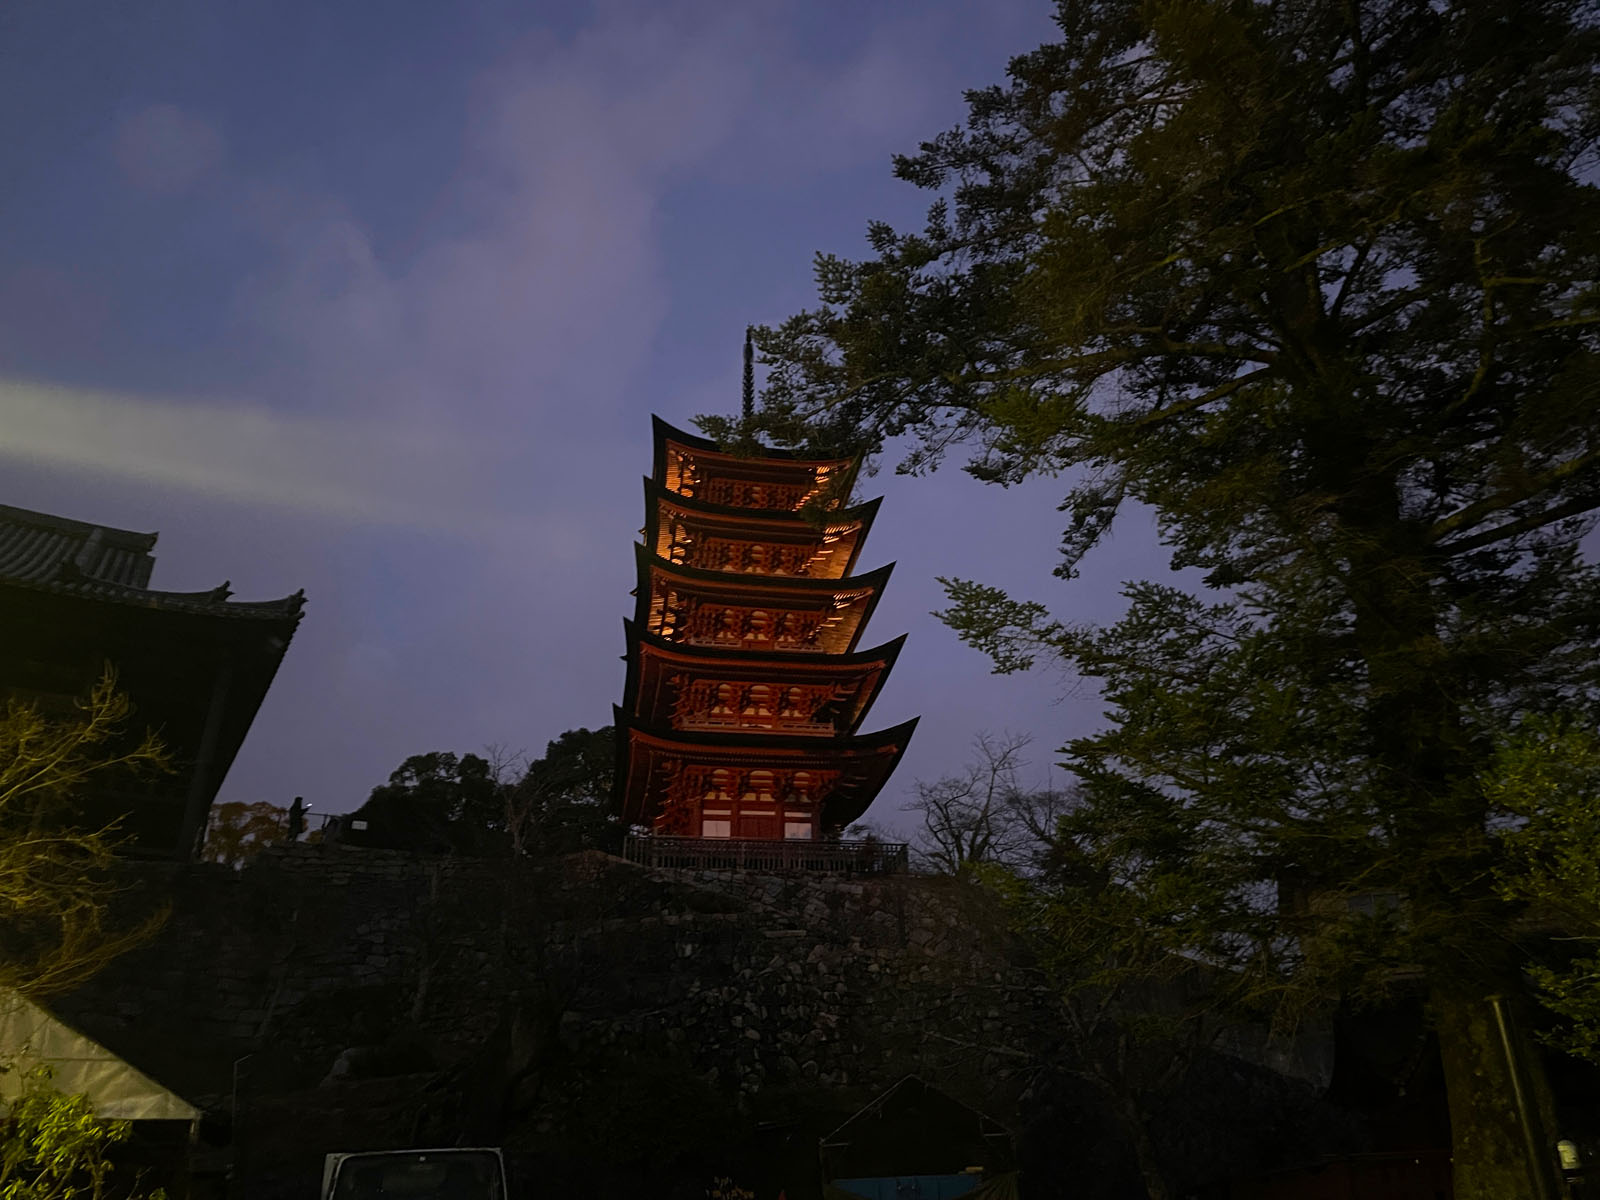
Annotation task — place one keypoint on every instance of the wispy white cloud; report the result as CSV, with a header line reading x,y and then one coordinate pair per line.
x,y
344,468
534,313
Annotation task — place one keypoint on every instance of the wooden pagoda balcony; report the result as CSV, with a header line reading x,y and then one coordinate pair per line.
x,y
868,857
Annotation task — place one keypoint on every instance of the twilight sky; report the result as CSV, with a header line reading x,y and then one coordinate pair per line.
x,y
376,300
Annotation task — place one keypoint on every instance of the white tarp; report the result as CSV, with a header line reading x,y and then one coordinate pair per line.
x,y
29,1036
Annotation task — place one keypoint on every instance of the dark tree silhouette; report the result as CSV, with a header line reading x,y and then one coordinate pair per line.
x,y
1315,282
562,803
434,803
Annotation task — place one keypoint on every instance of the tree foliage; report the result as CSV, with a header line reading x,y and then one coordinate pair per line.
x,y
58,920
442,803
562,803
57,885
1547,778
53,1147
1316,282
437,803
237,831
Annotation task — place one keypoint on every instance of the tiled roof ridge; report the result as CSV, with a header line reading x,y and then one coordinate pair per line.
x,y
44,552
126,539
213,601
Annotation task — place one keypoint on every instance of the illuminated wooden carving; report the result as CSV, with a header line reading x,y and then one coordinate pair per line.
x,y
730,609
691,687
745,687
711,537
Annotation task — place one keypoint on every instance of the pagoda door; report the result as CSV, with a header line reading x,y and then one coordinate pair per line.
x,y
758,822
758,808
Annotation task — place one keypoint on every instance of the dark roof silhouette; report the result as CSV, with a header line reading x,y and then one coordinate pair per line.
x,y
45,552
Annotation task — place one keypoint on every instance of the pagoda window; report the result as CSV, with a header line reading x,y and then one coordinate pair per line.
x,y
797,831
718,827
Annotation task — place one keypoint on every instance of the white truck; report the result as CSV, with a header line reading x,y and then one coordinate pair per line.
x,y
447,1173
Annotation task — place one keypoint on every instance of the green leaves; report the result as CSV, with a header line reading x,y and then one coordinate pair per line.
x,y
53,1147
1547,780
1011,632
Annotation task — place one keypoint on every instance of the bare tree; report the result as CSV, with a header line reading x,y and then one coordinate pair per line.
x,y
985,814
63,911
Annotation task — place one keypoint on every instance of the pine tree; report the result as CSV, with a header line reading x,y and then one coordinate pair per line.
x,y
1317,282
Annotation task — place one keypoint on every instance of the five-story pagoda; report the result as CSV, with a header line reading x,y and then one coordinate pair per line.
x,y
745,683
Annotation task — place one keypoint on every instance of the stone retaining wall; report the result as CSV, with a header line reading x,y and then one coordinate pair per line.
x,y
761,981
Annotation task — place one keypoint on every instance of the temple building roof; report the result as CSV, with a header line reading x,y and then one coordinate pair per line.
x,y
775,480
689,606
74,596
720,537
57,554
709,688
661,768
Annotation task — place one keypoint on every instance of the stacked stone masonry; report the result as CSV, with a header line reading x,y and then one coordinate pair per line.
x,y
761,981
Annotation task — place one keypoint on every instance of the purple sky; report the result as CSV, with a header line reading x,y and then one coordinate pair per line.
x,y
379,306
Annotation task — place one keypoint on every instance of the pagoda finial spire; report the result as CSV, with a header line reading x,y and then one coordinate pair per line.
x,y
747,421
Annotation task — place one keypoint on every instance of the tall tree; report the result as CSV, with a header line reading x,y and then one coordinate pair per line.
x,y
1316,281
436,802
562,803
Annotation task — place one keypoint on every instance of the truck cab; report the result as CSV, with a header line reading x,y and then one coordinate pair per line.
x,y
447,1173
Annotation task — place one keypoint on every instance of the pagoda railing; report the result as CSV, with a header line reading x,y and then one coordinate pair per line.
x,y
867,857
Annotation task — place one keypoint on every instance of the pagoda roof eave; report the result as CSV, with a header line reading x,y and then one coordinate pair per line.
x,y
746,744
760,749
795,586
865,512
887,651
663,432
784,665
783,524
874,580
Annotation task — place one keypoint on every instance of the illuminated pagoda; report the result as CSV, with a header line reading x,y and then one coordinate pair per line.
x,y
746,682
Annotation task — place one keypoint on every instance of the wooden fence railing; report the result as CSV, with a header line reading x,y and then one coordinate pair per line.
x,y
868,857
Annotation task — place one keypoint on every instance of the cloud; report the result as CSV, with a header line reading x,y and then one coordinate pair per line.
x,y
533,308
346,469
534,312
164,151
